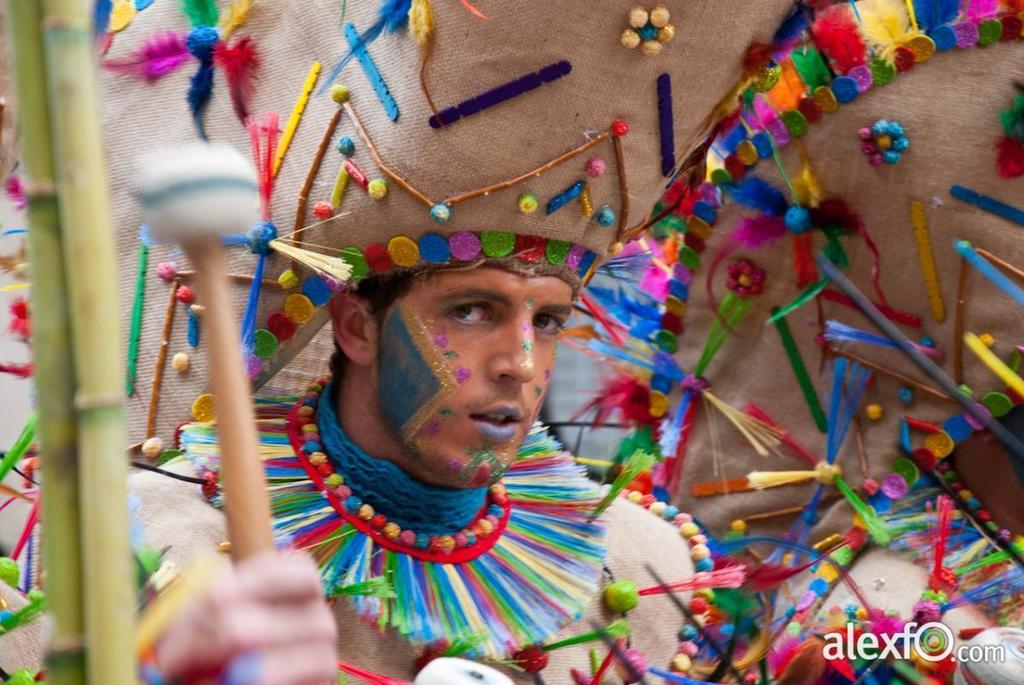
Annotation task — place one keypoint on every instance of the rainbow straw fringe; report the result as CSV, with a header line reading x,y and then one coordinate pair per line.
x,y
551,551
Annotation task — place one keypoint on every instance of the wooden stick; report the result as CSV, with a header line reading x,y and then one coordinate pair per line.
x,y
247,504
108,573
1001,264
53,367
243,278
161,361
789,511
314,169
620,164
958,324
878,368
384,168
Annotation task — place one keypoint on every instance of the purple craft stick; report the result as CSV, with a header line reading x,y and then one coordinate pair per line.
x,y
668,141
500,94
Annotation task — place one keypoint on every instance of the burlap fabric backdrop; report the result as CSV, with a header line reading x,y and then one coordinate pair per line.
x,y
470,56
949,107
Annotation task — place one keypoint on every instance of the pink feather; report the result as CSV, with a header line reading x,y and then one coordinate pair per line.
x,y
758,231
979,10
160,55
15,191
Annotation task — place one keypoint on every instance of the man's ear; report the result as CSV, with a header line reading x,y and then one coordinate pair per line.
x,y
355,328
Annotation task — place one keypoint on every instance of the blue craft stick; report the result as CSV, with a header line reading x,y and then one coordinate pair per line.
x,y
193,328
371,71
989,204
565,197
985,268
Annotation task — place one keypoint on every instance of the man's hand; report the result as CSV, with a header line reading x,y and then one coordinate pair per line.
x,y
266,616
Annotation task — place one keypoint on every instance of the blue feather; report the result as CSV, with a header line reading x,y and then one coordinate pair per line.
x,y
199,91
758,194
933,13
793,27
394,15
101,16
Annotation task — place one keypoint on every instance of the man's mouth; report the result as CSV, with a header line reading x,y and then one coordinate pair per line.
x,y
498,424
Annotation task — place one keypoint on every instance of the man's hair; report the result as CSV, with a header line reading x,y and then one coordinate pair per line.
x,y
380,293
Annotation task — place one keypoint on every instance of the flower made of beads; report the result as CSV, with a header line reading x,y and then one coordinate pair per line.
x,y
648,29
885,141
745,279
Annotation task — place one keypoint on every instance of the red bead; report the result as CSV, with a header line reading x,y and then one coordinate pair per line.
x,y
698,605
281,325
619,128
924,458
377,257
209,486
530,248
378,521
904,59
983,515
500,498
323,210
810,109
1012,26
734,165
325,469
185,295
693,241
531,659
672,322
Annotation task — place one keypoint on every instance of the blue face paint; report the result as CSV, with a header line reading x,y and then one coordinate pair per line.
x,y
413,379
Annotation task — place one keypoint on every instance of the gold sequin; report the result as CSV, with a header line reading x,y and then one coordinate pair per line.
x,y
698,227
675,306
202,408
747,153
825,99
299,308
659,404
403,251
922,46
939,444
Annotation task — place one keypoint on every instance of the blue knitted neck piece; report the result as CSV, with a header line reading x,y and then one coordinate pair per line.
x,y
411,504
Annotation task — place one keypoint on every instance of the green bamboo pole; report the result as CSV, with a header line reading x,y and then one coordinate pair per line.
x,y
92,296
53,372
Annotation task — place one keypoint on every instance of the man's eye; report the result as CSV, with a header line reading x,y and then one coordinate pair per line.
x,y
546,323
469,313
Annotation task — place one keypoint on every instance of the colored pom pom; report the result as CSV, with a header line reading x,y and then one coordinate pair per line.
x,y
798,219
758,194
167,271
1010,157
185,295
260,236
378,189
605,216
323,210
180,362
345,145
619,128
595,167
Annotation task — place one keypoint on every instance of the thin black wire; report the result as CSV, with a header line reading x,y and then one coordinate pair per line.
x,y
169,474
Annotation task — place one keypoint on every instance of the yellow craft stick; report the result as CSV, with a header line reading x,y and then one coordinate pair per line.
x,y
296,115
912,15
994,363
340,185
924,252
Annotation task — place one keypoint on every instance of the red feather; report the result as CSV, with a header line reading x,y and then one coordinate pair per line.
x,y
20,323
626,394
836,34
834,211
239,62
19,370
1010,161
757,56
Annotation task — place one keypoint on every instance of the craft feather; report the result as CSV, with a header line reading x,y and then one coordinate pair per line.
x,y
201,12
199,90
394,14
239,62
793,28
20,323
756,193
232,18
421,21
16,370
15,192
837,34
161,54
886,25
101,17
979,10
758,231
933,13
629,395
836,331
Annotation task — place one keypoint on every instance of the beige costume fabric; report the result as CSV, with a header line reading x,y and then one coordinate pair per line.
x,y
949,107
469,56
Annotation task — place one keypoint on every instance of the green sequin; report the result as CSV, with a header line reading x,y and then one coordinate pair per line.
x,y
497,243
842,556
557,251
882,72
720,177
666,340
353,256
998,403
264,344
796,122
989,32
689,257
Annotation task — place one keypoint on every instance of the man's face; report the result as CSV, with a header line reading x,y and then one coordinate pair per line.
x,y
464,360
